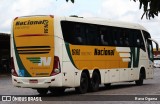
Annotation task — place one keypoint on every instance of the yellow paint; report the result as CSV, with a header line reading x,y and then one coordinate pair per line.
x,y
88,60
23,37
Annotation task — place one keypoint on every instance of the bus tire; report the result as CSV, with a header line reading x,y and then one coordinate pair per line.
x,y
108,85
57,91
141,78
84,82
42,91
95,81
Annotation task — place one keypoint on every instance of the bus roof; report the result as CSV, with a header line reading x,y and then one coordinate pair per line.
x,y
99,21
106,22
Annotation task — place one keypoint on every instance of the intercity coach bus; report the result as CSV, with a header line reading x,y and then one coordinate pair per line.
x,y
50,53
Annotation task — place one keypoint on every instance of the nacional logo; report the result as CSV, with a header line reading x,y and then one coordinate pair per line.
x,y
38,22
41,61
104,52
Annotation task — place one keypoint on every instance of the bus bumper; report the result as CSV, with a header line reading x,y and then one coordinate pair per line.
x,y
37,82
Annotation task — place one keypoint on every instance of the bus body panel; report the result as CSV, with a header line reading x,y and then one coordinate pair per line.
x,y
33,42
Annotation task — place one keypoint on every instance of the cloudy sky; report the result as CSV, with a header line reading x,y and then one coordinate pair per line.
x,y
123,10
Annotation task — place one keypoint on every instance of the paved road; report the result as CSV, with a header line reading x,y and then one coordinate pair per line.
x,y
150,87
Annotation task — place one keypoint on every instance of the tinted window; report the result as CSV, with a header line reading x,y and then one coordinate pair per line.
x,y
106,37
138,39
73,33
91,34
146,35
80,33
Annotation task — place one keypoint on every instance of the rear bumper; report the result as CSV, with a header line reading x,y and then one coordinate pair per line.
x,y
43,82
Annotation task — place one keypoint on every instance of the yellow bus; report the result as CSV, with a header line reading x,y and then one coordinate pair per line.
x,y
50,53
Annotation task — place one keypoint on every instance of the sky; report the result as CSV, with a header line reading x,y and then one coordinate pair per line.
x,y
121,10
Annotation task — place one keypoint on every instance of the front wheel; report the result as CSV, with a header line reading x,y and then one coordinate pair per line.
x,y
83,84
141,78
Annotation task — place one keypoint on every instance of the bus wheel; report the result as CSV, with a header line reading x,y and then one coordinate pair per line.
x,y
57,91
141,77
95,81
108,85
83,84
42,91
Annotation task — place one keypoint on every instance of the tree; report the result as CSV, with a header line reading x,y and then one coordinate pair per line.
x,y
71,1
151,7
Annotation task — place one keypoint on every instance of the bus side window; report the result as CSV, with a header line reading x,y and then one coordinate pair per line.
x,y
114,36
123,36
142,46
111,36
136,39
68,31
126,38
78,41
130,37
79,34
146,36
92,34
127,41
103,40
104,36
118,37
139,40
150,49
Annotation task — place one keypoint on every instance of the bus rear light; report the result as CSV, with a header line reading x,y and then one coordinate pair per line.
x,y
56,67
56,62
13,71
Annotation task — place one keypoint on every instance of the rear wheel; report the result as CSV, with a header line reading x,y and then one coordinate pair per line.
x,y
42,91
83,84
95,81
57,91
108,85
141,77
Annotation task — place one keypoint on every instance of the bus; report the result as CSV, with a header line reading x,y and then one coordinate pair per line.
x,y
51,53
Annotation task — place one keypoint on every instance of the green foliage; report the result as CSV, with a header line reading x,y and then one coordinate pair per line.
x,y
71,1
151,8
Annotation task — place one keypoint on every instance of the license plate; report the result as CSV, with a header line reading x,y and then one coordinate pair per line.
x,y
33,81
